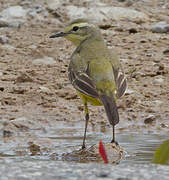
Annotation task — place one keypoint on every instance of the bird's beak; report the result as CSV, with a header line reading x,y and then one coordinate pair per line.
x,y
60,34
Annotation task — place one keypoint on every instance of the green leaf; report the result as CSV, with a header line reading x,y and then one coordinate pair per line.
x,y
161,155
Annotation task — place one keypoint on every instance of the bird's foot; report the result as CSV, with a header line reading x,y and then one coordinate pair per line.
x,y
83,147
115,142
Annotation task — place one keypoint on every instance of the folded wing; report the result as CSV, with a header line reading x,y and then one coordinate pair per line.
x,y
83,83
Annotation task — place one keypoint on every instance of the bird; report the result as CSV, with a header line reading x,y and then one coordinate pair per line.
x,y
94,71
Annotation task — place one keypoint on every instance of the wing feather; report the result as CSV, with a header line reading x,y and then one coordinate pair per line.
x,y
121,82
83,83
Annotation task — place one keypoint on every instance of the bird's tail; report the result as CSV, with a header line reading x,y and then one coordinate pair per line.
x,y
110,108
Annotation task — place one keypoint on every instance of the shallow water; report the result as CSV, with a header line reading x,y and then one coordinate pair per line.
x,y
67,137
138,147
16,161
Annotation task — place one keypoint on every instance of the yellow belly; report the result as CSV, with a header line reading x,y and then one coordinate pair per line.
x,y
93,101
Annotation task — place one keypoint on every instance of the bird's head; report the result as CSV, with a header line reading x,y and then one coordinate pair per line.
x,y
77,31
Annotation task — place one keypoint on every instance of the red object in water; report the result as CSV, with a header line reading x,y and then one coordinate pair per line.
x,y
103,153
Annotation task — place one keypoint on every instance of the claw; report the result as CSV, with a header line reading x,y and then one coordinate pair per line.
x,y
115,142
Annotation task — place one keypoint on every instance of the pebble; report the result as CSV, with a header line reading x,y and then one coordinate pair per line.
x,y
103,13
158,102
15,23
13,16
33,46
32,13
1,73
149,119
149,55
158,81
44,89
13,12
38,12
8,47
75,12
39,9
156,60
166,51
118,13
3,23
3,39
129,91
124,60
129,3
160,27
133,30
45,60
102,174
164,125
137,74
22,78
2,88
53,4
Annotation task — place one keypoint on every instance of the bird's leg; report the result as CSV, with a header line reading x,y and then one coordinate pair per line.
x,y
113,140
86,123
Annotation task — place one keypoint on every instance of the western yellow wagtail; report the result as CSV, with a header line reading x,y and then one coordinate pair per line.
x,y
94,71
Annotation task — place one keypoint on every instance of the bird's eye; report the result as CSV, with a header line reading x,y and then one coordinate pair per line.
x,y
75,28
